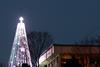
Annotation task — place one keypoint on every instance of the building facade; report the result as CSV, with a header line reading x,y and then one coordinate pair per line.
x,y
70,54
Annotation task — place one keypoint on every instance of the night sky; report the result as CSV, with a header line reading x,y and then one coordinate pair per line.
x,y
66,20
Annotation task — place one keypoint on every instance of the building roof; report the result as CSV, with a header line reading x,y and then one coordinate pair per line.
x,y
83,45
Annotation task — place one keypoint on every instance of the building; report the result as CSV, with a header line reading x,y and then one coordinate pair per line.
x,y
59,55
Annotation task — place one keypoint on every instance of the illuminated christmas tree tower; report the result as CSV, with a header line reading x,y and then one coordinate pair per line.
x,y
20,51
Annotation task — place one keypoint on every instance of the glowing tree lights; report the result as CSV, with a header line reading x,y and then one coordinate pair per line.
x,y
20,52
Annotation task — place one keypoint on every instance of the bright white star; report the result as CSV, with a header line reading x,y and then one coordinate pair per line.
x,y
21,19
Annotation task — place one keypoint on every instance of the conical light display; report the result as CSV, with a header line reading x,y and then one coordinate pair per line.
x,y
20,51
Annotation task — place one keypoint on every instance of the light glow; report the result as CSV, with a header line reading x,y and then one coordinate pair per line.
x,y
42,58
21,19
46,55
20,51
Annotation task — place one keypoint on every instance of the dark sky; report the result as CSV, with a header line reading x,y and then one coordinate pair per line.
x,y
67,20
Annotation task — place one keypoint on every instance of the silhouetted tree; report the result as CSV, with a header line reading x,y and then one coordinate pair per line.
x,y
38,42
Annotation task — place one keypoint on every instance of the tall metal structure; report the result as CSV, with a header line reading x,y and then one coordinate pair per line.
x,y
20,51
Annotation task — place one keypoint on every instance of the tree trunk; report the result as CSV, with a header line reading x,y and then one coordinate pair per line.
x,y
38,63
